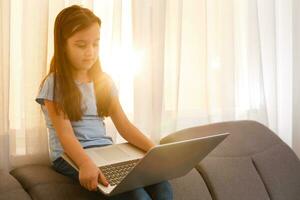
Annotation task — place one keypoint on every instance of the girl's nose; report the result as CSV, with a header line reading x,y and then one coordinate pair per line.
x,y
89,51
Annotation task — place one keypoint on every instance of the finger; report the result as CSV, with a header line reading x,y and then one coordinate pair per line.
x,y
102,179
94,184
82,183
91,185
86,185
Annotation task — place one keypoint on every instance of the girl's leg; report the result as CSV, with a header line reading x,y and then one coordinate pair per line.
x,y
61,166
136,194
160,191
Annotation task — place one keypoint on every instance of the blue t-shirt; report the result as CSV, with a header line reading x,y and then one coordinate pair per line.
x,y
89,131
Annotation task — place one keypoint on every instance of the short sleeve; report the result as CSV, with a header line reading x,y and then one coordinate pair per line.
x,y
46,91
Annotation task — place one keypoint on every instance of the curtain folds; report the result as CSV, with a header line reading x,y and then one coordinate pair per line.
x,y
176,64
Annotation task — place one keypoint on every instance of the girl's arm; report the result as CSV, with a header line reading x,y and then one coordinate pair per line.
x,y
127,129
88,171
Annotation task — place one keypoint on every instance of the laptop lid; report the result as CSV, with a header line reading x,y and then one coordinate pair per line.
x,y
165,162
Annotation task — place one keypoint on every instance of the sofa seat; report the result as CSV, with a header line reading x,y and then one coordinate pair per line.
x,y
10,188
43,183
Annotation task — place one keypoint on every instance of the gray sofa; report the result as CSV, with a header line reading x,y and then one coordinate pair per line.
x,y
251,164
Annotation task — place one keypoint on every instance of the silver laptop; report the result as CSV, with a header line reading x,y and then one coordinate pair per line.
x,y
127,167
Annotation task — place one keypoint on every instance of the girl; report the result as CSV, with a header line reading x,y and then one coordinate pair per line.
x,y
76,95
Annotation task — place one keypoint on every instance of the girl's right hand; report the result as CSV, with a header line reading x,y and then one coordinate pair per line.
x,y
90,175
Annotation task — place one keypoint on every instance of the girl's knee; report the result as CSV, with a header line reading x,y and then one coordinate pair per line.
x,y
161,191
136,194
140,194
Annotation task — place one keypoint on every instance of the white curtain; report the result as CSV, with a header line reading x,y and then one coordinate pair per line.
x,y
23,55
176,64
210,61
26,39
296,77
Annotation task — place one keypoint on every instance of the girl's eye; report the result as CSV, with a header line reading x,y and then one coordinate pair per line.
x,y
81,46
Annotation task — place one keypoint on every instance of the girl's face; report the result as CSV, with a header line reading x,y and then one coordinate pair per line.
x,y
82,48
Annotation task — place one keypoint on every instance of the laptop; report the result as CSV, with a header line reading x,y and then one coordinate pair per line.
x,y
127,167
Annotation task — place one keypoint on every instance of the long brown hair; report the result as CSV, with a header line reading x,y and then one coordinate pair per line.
x,y
65,91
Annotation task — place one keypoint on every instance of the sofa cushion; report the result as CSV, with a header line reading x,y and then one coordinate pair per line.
x,y
10,188
44,183
231,178
252,157
279,169
31,175
57,191
247,137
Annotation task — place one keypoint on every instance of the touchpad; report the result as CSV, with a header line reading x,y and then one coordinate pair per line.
x,y
112,154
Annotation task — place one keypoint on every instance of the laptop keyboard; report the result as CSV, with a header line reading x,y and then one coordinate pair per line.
x,y
114,173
